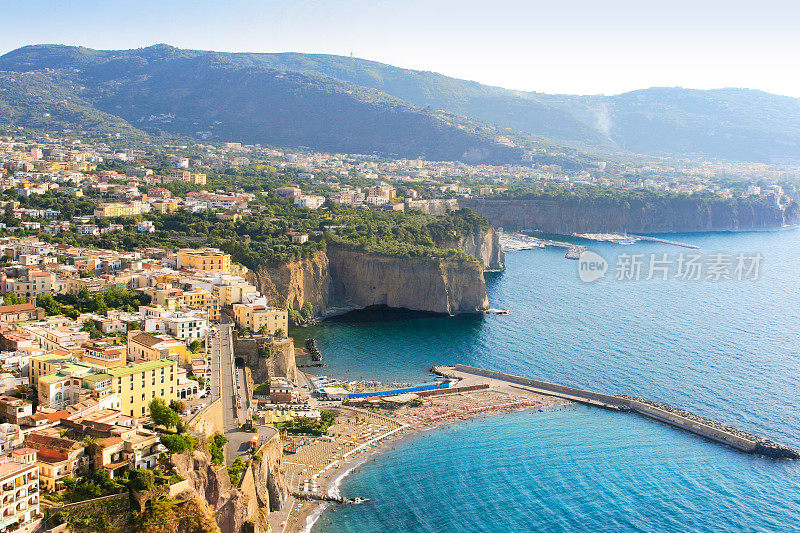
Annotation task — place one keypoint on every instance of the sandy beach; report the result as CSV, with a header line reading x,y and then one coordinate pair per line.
x,y
359,436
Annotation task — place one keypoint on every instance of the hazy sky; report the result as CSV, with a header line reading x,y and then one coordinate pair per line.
x,y
568,46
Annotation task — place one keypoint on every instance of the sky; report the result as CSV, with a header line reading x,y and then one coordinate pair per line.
x,y
557,46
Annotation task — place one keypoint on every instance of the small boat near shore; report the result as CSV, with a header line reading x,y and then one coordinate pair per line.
x,y
493,311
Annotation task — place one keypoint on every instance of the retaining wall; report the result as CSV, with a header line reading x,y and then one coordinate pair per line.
x,y
452,390
208,420
418,388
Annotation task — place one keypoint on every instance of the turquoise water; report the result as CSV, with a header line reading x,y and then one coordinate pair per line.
x,y
726,349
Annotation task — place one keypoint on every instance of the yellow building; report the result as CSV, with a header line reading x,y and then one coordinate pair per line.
x,y
116,209
93,285
38,283
204,300
19,489
149,347
254,317
165,206
170,299
137,384
44,365
204,259
234,293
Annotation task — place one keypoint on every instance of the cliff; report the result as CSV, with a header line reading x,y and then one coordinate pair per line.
x,y
677,215
448,286
485,245
294,283
360,280
263,488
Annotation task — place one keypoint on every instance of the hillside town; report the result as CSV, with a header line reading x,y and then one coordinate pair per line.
x,y
165,179
109,349
77,390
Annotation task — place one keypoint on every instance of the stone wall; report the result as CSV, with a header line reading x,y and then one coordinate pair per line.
x,y
208,420
280,361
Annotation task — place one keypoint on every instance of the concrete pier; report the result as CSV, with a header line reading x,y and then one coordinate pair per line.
x,y
685,420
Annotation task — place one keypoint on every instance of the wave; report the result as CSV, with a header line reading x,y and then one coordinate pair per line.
x,y
313,516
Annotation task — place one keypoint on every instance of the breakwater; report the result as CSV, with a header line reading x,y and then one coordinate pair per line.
x,y
672,416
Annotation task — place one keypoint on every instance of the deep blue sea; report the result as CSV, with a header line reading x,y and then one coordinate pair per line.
x,y
728,349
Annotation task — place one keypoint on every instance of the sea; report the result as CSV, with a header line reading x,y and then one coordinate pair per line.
x,y
714,330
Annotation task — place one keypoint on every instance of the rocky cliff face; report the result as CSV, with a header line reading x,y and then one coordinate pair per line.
x,y
449,287
263,488
553,217
361,280
295,283
485,245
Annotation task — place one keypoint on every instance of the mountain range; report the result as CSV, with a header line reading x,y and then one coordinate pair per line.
x,y
346,104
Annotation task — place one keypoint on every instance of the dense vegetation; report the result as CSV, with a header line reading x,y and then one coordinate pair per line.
x,y
262,239
71,305
309,426
633,198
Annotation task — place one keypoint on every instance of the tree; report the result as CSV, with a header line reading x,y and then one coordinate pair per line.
x,y
142,480
216,448
279,333
177,406
195,346
175,443
162,415
10,298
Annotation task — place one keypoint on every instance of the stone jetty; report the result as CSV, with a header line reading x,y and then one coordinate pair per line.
x,y
679,418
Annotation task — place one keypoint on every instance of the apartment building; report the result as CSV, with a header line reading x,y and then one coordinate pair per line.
x,y
108,352
74,382
57,333
34,284
19,489
116,209
234,292
93,285
203,259
138,383
204,300
15,410
256,316
57,457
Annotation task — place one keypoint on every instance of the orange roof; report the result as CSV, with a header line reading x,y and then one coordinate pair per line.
x,y
16,307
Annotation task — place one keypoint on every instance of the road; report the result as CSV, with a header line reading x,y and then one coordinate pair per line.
x,y
223,380
231,384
